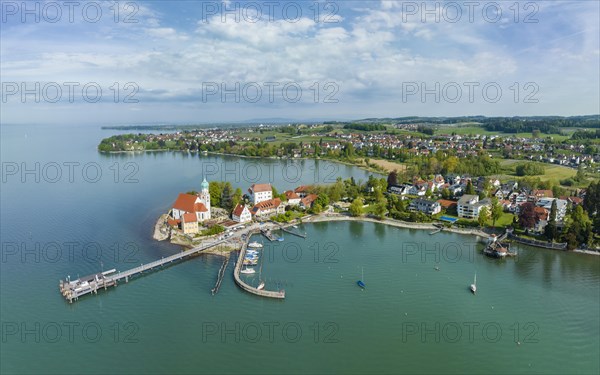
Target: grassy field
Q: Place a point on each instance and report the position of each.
(504, 220)
(475, 129)
(551, 171)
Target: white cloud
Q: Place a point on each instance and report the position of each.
(369, 54)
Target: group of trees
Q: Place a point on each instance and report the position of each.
(529, 169)
(365, 127)
(578, 225)
(223, 195)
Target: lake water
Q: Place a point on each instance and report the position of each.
(538, 313)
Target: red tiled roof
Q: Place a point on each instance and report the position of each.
(445, 203)
(266, 205)
(271, 203)
(309, 199)
(291, 195)
(189, 218)
(260, 187)
(301, 189)
(541, 213)
(200, 207)
(186, 202)
(238, 210)
(173, 222)
(543, 193)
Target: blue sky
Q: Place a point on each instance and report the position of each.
(363, 58)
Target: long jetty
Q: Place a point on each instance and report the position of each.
(238, 280)
(72, 290)
(286, 230)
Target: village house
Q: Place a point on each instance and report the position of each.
(399, 189)
(561, 206)
(293, 199)
(268, 208)
(426, 206)
(308, 201)
(189, 223)
(447, 204)
(302, 191)
(260, 193)
(469, 206)
(241, 214)
(541, 218)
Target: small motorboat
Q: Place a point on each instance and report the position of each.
(474, 285)
(248, 270)
(261, 286)
(255, 244)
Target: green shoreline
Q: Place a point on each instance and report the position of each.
(363, 167)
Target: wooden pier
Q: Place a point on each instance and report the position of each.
(286, 230)
(236, 275)
(72, 290)
(269, 235)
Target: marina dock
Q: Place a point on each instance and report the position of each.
(269, 235)
(286, 230)
(250, 289)
(72, 290)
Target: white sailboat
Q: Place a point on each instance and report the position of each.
(474, 285)
(261, 285)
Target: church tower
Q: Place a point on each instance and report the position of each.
(205, 196)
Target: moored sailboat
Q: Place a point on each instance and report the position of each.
(360, 282)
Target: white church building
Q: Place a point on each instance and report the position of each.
(196, 204)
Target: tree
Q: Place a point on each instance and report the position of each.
(316, 208)
(380, 209)
(236, 198)
(496, 210)
(579, 228)
(527, 215)
(591, 204)
(392, 178)
(529, 169)
(356, 208)
(216, 190)
(469, 189)
(580, 176)
(484, 215)
(450, 164)
(446, 193)
(322, 200)
(428, 192)
(226, 196)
